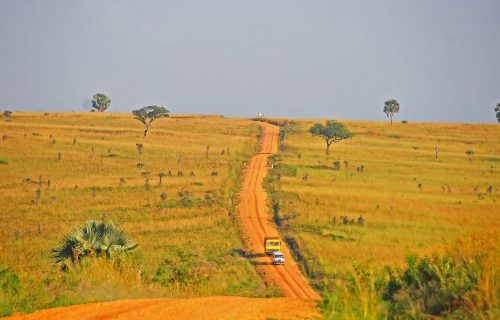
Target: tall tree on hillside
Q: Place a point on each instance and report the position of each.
(331, 132)
(100, 102)
(149, 114)
(391, 107)
(497, 110)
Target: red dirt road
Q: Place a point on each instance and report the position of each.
(299, 303)
(257, 223)
(172, 309)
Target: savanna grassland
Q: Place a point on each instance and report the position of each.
(381, 226)
(410, 203)
(58, 170)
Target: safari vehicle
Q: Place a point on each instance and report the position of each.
(272, 244)
(278, 257)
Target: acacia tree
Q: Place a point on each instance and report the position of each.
(149, 114)
(331, 132)
(391, 107)
(100, 102)
(497, 110)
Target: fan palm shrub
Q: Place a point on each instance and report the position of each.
(92, 238)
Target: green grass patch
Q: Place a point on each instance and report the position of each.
(288, 170)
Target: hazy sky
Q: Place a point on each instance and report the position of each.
(329, 59)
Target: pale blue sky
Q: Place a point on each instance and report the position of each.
(329, 59)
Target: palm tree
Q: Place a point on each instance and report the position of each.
(92, 238)
(391, 107)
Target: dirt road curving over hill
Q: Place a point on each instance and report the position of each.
(299, 303)
(257, 223)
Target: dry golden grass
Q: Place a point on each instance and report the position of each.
(411, 202)
(454, 197)
(84, 155)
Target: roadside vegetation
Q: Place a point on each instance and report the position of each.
(171, 194)
(385, 226)
(461, 283)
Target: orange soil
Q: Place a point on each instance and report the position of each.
(257, 223)
(194, 308)
(300, 298)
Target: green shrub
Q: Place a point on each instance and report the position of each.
(184, 269)
(355, 296)
(186, 201)
(9, 286)
(462, 284)
(17, 295)
(176, 268)
(438, 286)
(9, 281)
(425, 287)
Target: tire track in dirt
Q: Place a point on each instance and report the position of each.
(257, 223)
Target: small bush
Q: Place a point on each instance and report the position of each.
(336, 165)
(183, 269)
(139, 147)
(439, 286)
(186, 201)
(9, 281)
(7, 115)
(209, 198)
(9, 288)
